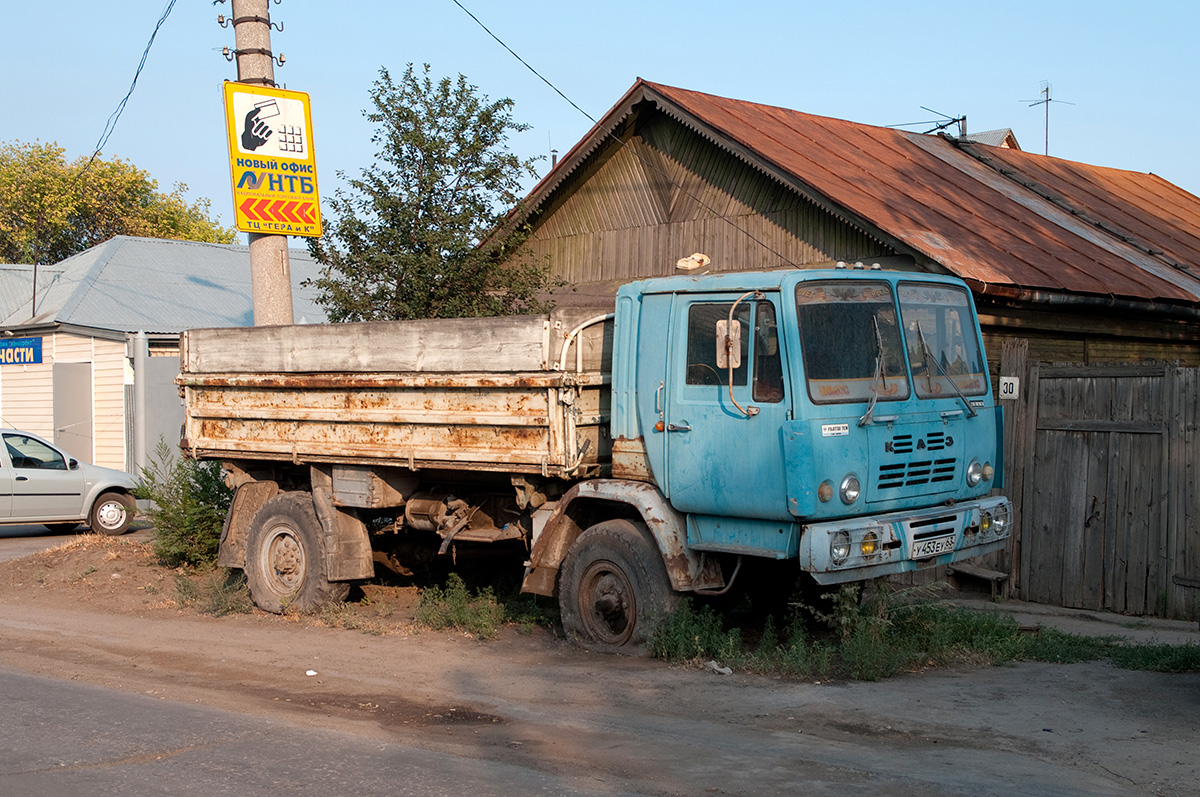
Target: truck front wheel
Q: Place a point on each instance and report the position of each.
(285, 567)
(613, 589)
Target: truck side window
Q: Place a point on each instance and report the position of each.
(768, 371)
(702, 344)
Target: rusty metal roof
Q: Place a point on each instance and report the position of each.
(1009, 222)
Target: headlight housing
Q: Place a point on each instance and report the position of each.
(974, 473)
(850, 489)
(839, 547)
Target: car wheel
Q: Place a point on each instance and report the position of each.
(614, 589)
(111, 514)
(62, 528)
(285, 564)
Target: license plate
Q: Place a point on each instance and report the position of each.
(923, 549)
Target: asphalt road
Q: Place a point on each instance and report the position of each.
(60, 738)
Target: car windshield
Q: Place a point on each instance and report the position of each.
(939, 333)
(851, 341)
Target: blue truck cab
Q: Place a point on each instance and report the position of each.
(851, 425)
(842, 418)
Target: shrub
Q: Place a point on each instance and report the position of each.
(189, 500)
(455, 607)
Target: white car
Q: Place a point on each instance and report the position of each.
(41, 484)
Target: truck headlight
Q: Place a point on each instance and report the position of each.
(839, 547)
(974, 473)
(1000, 520)
(850, 489)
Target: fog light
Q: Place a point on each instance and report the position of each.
(974, 473)
(839, 547)
(985, 522)
(850, 489)
(825, 491)
(869, 545)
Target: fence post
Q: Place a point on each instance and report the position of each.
(1014, 354)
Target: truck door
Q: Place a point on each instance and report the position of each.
(724, 450)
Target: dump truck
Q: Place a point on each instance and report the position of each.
(840, 418)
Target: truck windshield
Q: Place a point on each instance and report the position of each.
(939, 333)
(851, 342)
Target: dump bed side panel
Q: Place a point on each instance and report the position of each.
(471, 394)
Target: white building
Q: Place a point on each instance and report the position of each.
(72, 371)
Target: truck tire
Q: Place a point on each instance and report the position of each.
(613, 589)
(285, 566)
(111, 514)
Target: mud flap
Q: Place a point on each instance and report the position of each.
(248, 499)
(347, 546)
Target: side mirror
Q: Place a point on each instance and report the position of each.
(73, 463)
(729, 344)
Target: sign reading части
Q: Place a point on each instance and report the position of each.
(20, 351)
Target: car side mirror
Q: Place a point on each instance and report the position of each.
(73, 463)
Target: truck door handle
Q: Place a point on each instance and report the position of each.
(679, 427)
(22, 478)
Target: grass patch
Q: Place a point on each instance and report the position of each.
(453, 606)
(218, 592)
(873, 634)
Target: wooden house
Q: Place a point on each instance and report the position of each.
(1086, 278)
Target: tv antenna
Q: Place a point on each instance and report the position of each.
(939, 124)
(1046, 100)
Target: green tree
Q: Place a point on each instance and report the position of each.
(423, 232)
(51, 209)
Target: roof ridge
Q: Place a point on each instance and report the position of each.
(89, 278)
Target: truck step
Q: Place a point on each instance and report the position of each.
(995, 578)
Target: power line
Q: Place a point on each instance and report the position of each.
(621, 143)
(111, 125)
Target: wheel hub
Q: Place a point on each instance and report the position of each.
(111, 514)
(608, 605)
(286, 561)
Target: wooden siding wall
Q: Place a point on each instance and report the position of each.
(1102, 467)
(668, 193)
(27, 393)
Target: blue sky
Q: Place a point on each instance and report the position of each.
(1129, 69)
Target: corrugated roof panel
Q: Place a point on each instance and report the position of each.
(995, 216)
(130, 284)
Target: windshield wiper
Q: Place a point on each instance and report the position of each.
(929, 356)
(868, 417)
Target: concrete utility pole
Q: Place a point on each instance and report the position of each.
(270, 271)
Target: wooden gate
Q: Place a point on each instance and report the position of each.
(1102, 465)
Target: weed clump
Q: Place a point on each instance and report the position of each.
(219, 592)
(453, 606)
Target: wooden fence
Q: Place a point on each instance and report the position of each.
(1102, 466)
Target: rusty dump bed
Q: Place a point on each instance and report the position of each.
(479, 394)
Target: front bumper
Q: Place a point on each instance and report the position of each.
(855, 549)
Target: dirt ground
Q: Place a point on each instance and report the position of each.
(100, 611)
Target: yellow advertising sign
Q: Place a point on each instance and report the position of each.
(271, 160)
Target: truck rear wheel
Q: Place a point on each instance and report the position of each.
(614, 590)
(285, 566)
